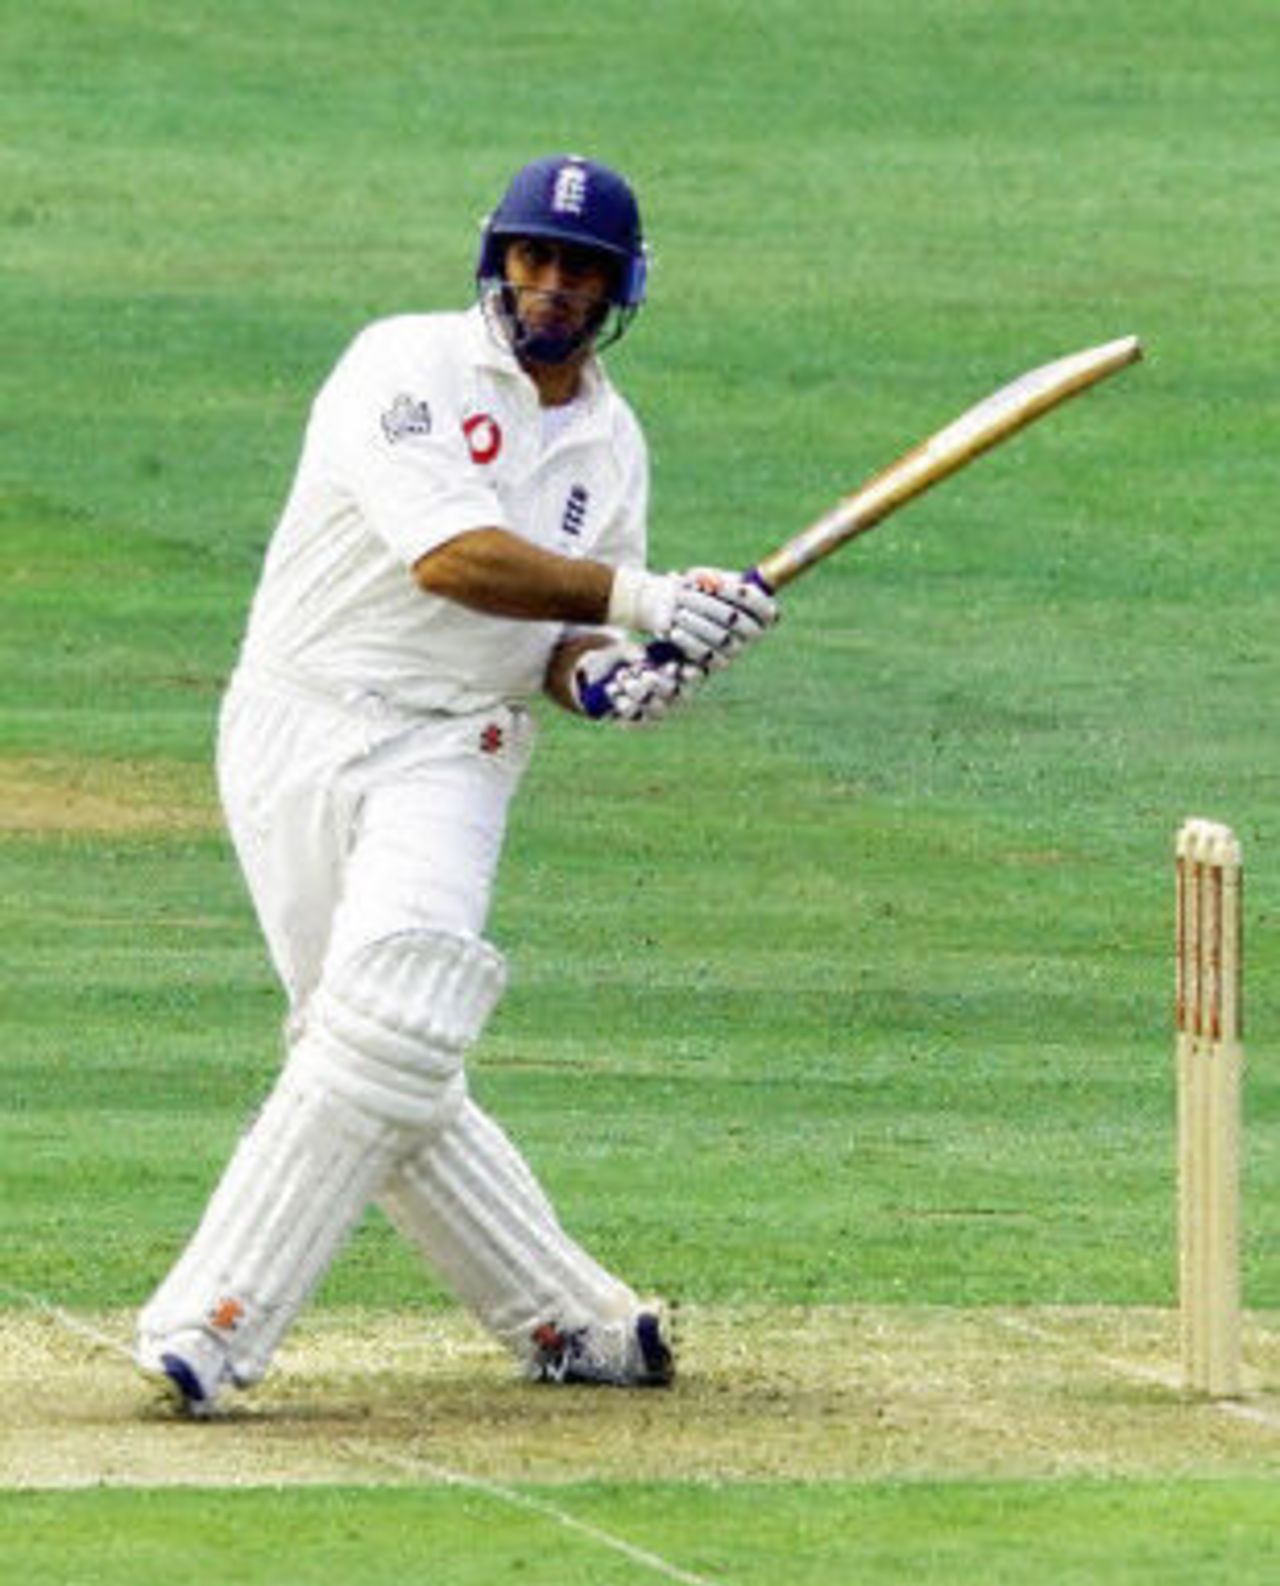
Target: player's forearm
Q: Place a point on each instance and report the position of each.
(494, 571)
(707, 614)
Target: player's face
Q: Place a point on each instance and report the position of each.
(561, 288)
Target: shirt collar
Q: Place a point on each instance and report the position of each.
(491, 353)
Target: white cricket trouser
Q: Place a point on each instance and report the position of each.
(369, 844)
(351, 824)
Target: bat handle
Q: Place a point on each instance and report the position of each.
(753, 575)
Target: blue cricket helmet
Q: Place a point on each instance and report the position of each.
(573, 200)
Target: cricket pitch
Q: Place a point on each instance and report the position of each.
(827, 1393)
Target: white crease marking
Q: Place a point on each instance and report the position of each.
(411, 1464)
(1239, 1409)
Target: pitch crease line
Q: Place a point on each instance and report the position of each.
(1241, 1411)
(412, 1464)
(68, 1321)
(451, 1478)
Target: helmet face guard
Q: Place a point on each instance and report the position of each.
(565, 199)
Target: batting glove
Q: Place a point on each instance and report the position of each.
(709, 614)
(631, 685)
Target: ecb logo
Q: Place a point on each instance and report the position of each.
(570, 193)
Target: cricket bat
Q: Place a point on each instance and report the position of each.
(977, 430)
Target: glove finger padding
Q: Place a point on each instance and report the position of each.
(631, 685)
(642, 695)
(740, 590)
(716, 614)
(708, 613)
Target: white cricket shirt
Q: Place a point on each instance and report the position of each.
(426, 428)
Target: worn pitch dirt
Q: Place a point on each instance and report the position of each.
(776, 1393)
(62, 795)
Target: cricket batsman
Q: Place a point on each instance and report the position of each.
(466, 530)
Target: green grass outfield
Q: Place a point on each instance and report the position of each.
(848, 995)
(1083, 1534)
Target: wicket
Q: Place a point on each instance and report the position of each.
(1209, 1060)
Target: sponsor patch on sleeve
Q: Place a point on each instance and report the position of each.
(484, 436)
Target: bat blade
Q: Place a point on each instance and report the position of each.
(977, 430)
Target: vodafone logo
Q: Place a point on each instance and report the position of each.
(484, 437)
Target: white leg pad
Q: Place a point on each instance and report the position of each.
(298, 1183)
(377, 1069)
(469, 1202)
(390, 1027)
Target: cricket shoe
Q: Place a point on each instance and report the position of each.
(631, 1354)
(193, 1367)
